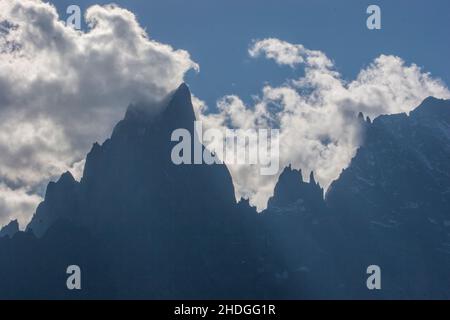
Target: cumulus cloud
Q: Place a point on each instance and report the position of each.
(61, 89)
(317, 113)
(285, 53)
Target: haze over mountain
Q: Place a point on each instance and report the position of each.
(141, 227)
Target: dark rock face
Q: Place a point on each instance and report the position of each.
(293, 196)
(140, 226)
(300, 234)
(159, 228)
(393, 200)
(60, 203)
(10, 229)
(131, 176)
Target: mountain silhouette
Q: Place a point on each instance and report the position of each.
(140, 226)
(393, 200)
(10, 229)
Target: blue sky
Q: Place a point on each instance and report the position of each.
(217, 35)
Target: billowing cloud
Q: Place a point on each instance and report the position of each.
(285, 53)
(61, 89)
(317, 113)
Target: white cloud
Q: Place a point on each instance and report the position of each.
(62, 89)
(285, 53)
(16, 204)
(317, 113)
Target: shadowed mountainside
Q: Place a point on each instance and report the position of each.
(141, 227)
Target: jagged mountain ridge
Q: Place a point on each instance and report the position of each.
(137, 153)
(175, 232)
(393, 199)
(156, 224)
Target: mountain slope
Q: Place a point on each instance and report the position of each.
(159, 227)
(393, 200)
(141, 227)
